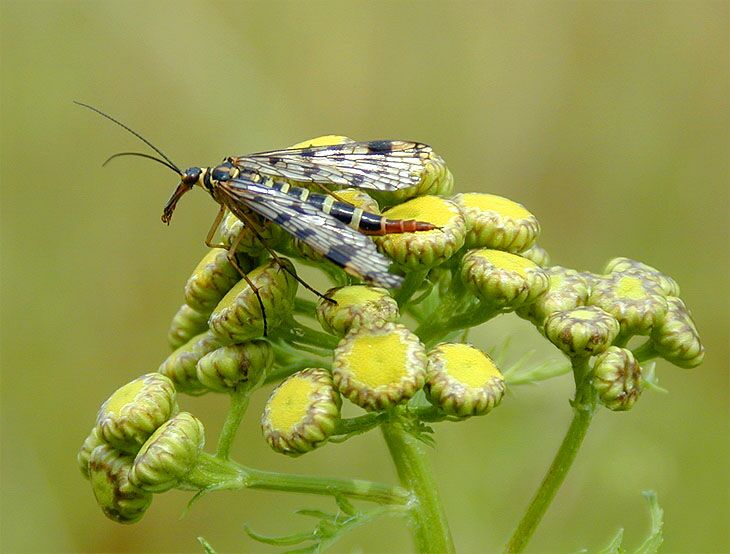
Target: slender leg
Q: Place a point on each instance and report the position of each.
(327, 190)
(254, 228)
(233, 260)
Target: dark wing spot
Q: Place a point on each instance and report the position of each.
(380, 146)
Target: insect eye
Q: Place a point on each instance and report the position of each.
(220, 174)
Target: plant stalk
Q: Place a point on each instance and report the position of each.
(430, 528)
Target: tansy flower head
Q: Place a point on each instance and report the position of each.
(169, 454)
(117, 497)
(676, 337)
(211, 280)
(379, 367)
(634, 298)
(436, 180)
(249, 243)
(356, 305)
(462, 380)
(581, 332)
(130, 415)
(180, 366)
(496, 222)
(626, 265)
(568, 289)
(238, 316)
(186, 324)
(537, 254)
(501, 279)
(302, 412)
(617, 378)
(92, 441)
(229, 367)
(425, 249)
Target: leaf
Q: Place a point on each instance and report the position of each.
(655, 539)
(615, 546)
(207, 548)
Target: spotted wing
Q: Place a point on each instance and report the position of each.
(385, 165)
(337, 242)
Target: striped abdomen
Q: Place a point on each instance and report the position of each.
(365, 222)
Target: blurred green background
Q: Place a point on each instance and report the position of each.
(609, 121)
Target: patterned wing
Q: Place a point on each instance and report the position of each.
(381, 164)
(337, 242)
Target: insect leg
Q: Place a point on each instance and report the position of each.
(248, 222)
(327, 190)
(233, 260)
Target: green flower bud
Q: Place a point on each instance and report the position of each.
(436, 180)
(91, 442)
(442, 277)
(425, 249)
(503, 280)
(356, 305)
(496, 222)
(302, 412)
(109, 475)
(238, 317)
(568, 290)
(583, 331)
(250, 243)
(379, 367)
(633, 298)
(169, 454)
(617, 378)
(626, 265)
(676, 337)
(130, 415)
(228, 367)
(537, 254)
(212, 279)
(180, 366)
(462, 380)
(186, 324)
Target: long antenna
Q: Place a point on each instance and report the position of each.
(141, 155)
(135, 133)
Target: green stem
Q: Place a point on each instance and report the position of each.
(294, 332)
(213, 473)
(411, 284)
(430, 528)
(239, 403)
(584, 407)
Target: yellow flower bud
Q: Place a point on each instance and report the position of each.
(626, 265)
(302, 412)
(130, 415)
(568, 289)
(537, 254)
(496, 222)
(462, 380)
(211, 280)
(238, 317)
(356, 305)
(583, 331)
(180, 366)
(617, 378)
(379, 367)
(676, 337)
(503, 280)
(109, 475)
(436, 180)
(186, 324)
(425, 249)
(229, 367)
(82, 458)
(169, 454)
(635, 299)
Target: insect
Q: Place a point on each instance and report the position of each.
(246, 185)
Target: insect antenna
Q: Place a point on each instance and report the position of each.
(141, 155)
(135, 133)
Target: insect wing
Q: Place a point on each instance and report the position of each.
(385, 165)
(337, 242)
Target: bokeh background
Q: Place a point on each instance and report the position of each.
(608, 120)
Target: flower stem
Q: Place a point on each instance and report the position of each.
(213, 473)
(430, 528)
(584, 407)
(239, 403)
